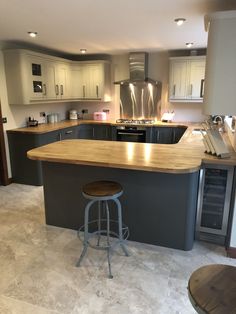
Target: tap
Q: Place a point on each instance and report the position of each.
(219, 120)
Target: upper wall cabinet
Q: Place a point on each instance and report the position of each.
(35, 78)
(186, 79)
(91, 81)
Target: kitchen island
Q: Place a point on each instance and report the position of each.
(160, 184)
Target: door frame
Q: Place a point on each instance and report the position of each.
(4, 180)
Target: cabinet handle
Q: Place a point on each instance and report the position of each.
(191, 89)
(174, 90)
(93, 132)
(97, 90)
(158, 135)
(57, 89)
(202, 88)
(61, 90)
(59, 136)
(173, 141)
(68, 132)
(44, 89)
(84, 91)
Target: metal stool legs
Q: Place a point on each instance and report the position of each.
(102, 204)
(86, 220)
(108, 239)
(120, 226)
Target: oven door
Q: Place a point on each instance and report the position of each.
(131, 135)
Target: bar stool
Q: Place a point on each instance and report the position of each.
(102, 192)
(212, 288)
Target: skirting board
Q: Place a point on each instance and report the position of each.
(231, 252)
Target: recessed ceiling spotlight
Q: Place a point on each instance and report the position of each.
(189, 45)
(83, 50)
(32, 34)
(179, 21)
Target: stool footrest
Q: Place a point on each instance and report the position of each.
(102, 235)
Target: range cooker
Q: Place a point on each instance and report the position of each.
(132, 130)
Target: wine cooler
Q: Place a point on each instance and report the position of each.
(215, 187)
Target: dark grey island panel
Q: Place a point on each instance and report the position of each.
(159, 208)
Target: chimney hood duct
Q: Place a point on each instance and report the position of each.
(138, 68)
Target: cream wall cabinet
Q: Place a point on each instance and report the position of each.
(35, 78)
(91, 81)
(186, 79)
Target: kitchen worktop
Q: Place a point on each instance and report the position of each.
(149, 174)
(48, 127)
(186, 156)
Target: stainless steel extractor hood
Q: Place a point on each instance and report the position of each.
(138, 68)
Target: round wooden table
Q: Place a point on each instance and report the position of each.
(212, 289)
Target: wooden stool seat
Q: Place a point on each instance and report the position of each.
(212, 289)
(102, 188)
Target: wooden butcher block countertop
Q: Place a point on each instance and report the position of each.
(49, 127)
(186, 156)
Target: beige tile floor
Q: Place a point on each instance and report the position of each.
(38, 273)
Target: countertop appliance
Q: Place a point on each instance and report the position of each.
(53, 117)
(100, 116)
(73, 115)
(32, 122)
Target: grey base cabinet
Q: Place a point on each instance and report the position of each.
(167, 135)
(94, 132)
(28, 171)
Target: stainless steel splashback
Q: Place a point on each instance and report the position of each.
(140, 100)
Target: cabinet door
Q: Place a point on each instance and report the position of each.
(69, 133)
(196, 78)
(178, 132)
(47, 138)
(76, 82)
(96, 81)
(86, 132)
(49, 69)
(91, 81)
(63, 81)
(87, 81)
(178, 77)
(163, 135)
(102, 132)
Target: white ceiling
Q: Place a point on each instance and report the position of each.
(107, 26)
